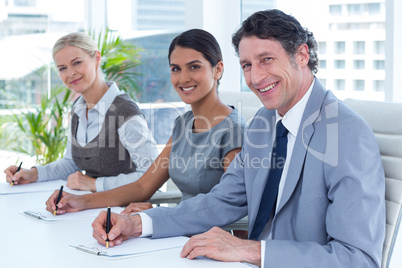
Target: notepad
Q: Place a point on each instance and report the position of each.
(45, 216)
(131, 247)
(47, 186)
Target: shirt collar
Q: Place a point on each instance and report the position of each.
(103, 104)
(292, 119)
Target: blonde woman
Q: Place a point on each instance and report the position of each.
(109, 138)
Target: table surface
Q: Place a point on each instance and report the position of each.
(27, 242)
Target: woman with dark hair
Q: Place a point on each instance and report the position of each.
(204, 140)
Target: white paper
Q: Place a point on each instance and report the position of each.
(45, 216)
(47, 186)
(131, 247)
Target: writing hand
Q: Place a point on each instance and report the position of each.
(68, 203)
(123, 227)
(23, 176)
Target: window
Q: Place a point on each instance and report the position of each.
(322, 64)
(378, 65)
(379, 85)
(359, 47)
(374, 8)
(335, 10)
(339, 84)
(322, 47)
(339, 47)
(358, 85)
(379, 47)
(358, 64)
(25, 3)
(355, 9)
(248, 7)
(339, 64)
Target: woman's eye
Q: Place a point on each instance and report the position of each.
(62, 69)
(194, 67)
(174, 69)
(77, 62)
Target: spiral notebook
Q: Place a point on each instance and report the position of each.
(131, 247)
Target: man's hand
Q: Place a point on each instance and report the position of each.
(123, 227)
(136, 207)
(79, 181)
(221, 245)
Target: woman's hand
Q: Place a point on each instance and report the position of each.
(79, 181)
(136, 207)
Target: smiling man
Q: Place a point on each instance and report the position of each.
(319, 203)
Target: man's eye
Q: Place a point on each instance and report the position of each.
(246, 66)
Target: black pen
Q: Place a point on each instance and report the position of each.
(107, 227)
(18, 169)
(58, 200)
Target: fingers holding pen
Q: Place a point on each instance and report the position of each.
(99, 229)
(122, 227)
(62, 205)
(17, 175)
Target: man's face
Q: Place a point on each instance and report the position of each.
(277, 79)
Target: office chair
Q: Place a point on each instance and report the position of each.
(385, 119)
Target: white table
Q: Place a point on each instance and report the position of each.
(27, 242)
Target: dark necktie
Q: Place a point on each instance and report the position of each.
(270, 193)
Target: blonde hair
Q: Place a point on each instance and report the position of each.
(77, 39)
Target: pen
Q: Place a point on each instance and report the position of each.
(18, 169)
(58, 199)
(107, 227)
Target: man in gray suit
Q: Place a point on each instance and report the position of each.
(329, 206)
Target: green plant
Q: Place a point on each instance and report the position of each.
(42, 126)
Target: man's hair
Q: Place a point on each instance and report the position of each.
(275, 25)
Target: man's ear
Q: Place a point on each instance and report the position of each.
(303, 55)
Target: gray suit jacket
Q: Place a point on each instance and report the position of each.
(332, 210)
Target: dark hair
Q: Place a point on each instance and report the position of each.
(274, 24)
(201, 41)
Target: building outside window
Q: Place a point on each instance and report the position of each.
(339, 64)
(323, 64)
(322, 47)
(358, 85)
(340, 47)
(359, 47)
(378, 65)
(358, 64)
(379, 85)
(335, 10)
(340, 84)
(379, 47)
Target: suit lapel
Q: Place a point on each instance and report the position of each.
(306, 130)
